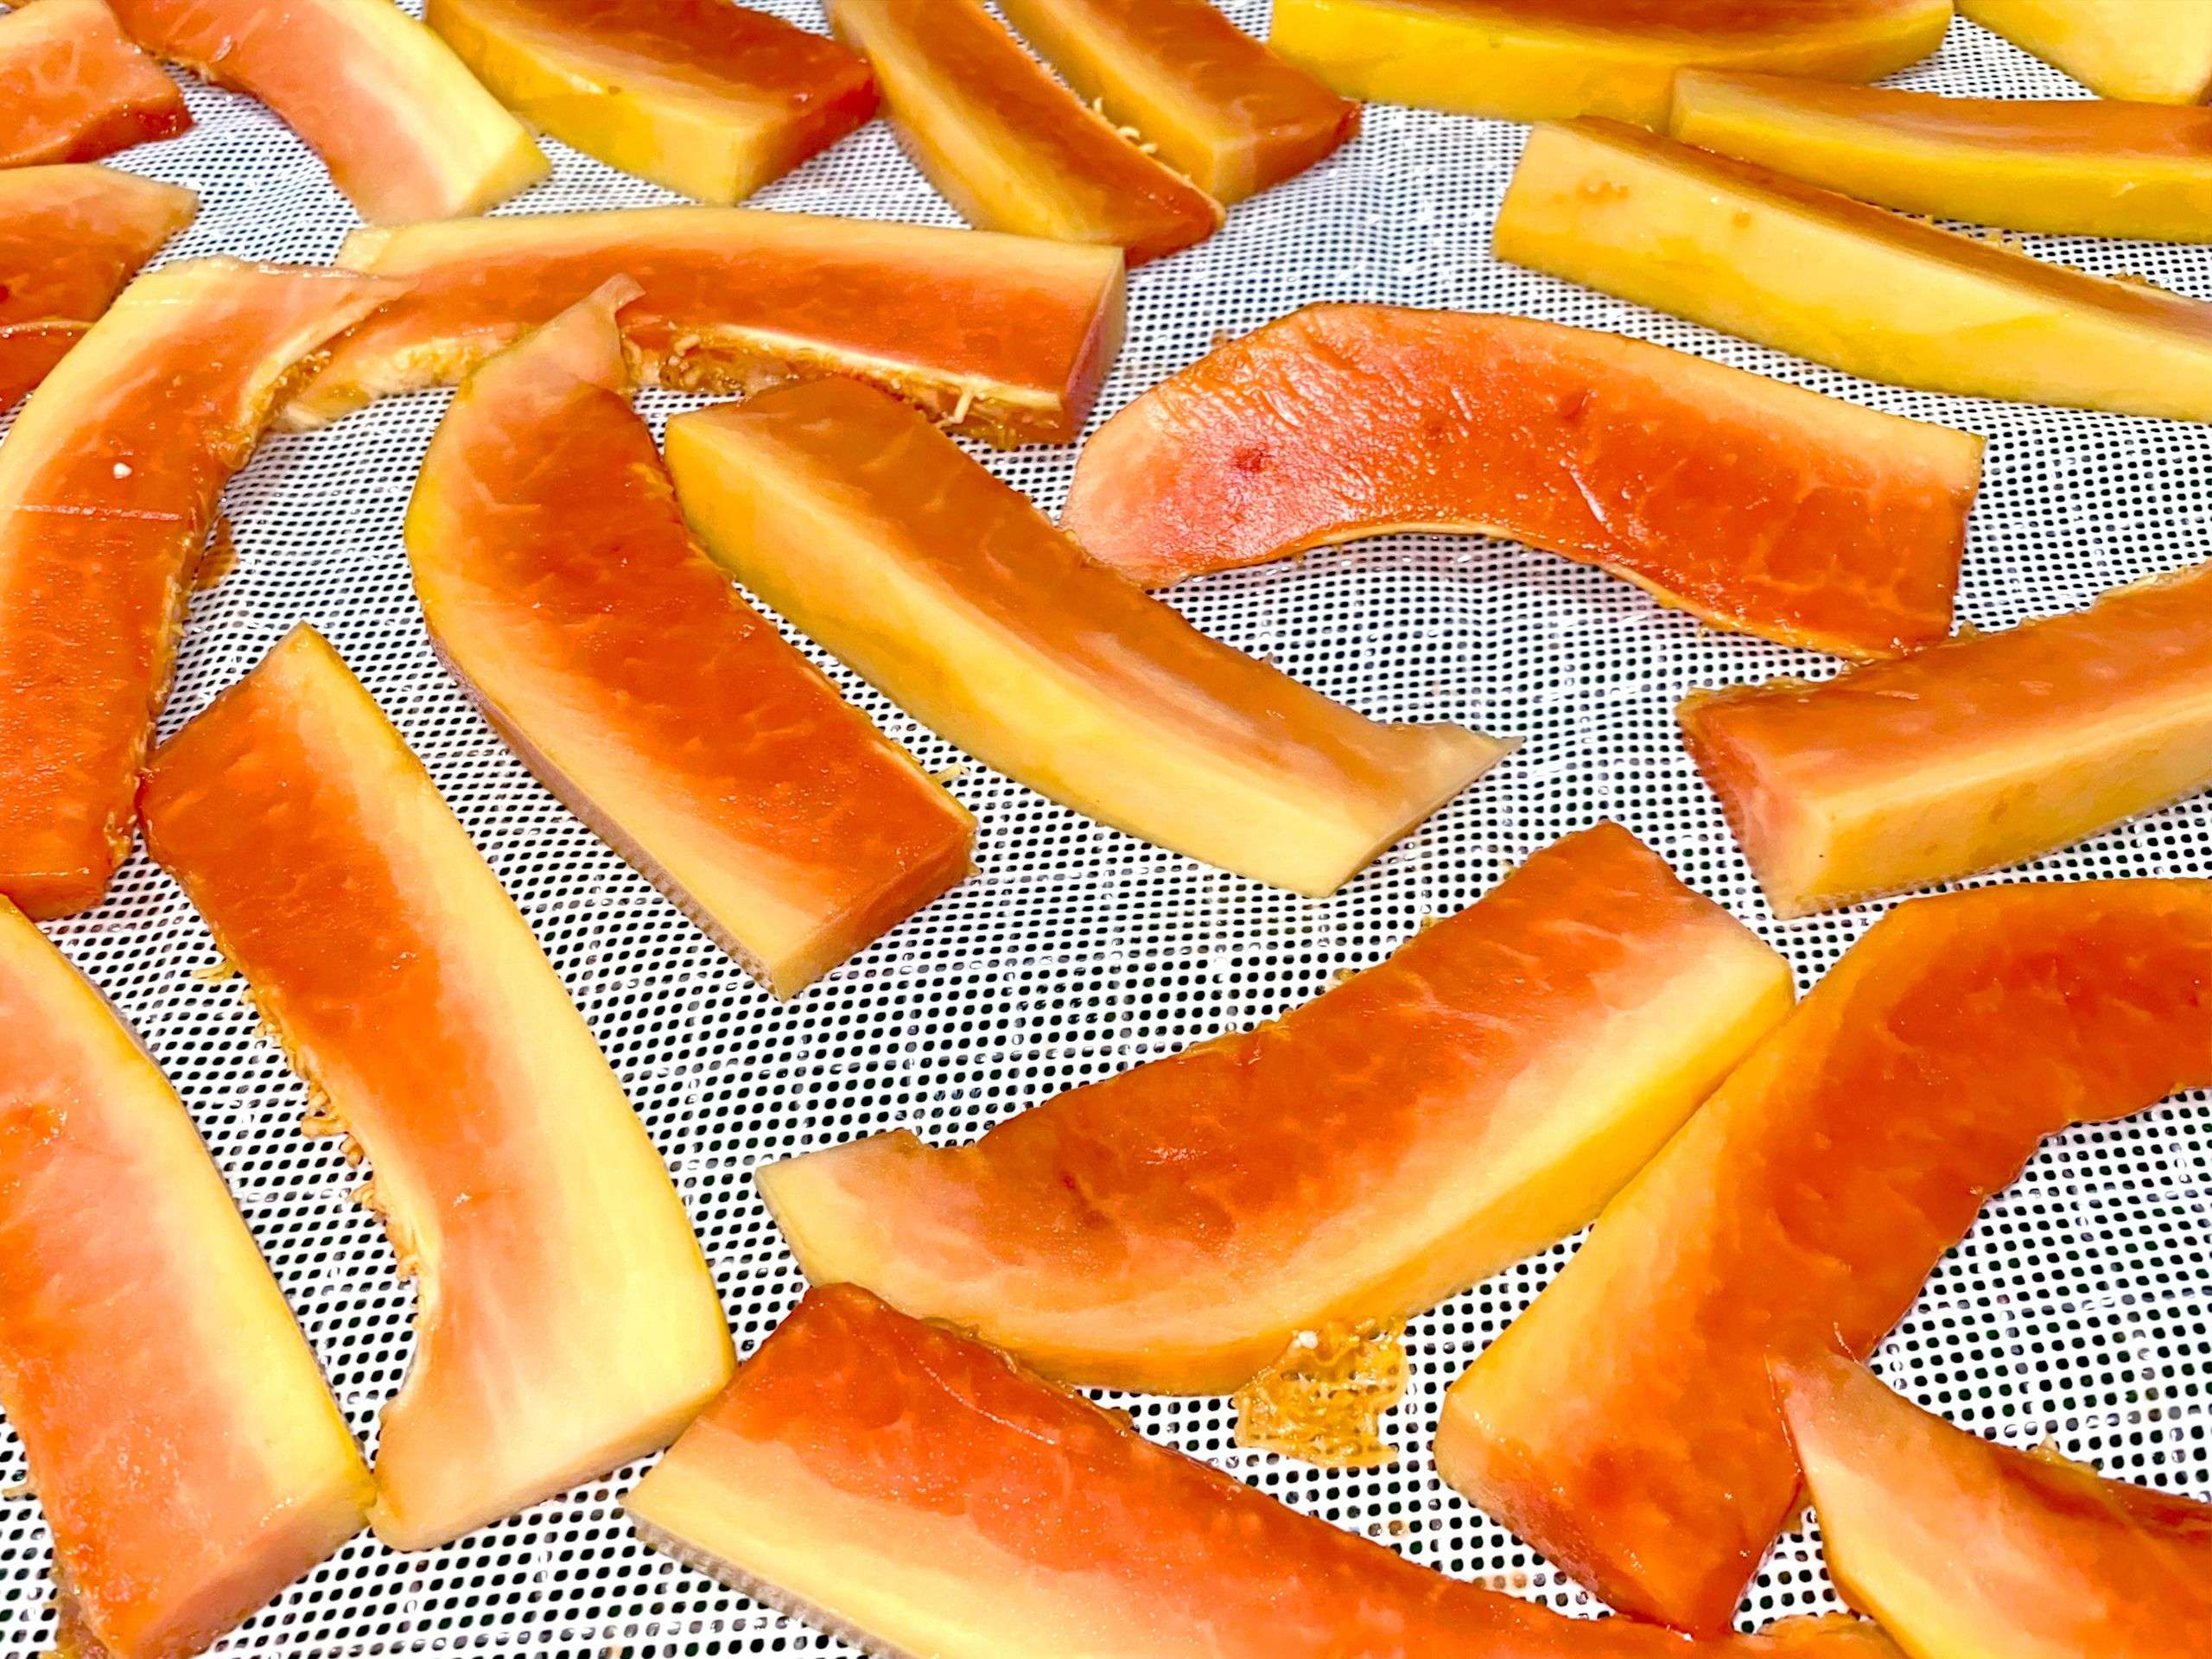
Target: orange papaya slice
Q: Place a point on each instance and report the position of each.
(709, 98)
(875, 534)
(1006, 143)
(902, 1485)
(1624, 1425)
(1005, 338)
(70, 237)
(406, 131)
(566, 1320)
(561, 585)
(1967, 1550)
(2068, 166)
(109, 482)
(1987, 750)
(2158, 53)
(1739, 247)
(1222, 109)
(1755, 505)
(72, 88)
(185, 1447)
(1423, 1125)
(1549, 59)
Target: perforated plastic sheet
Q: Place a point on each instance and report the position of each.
(2078, 1309)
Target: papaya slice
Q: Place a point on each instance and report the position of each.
(72, 88)
(1006, 143)
(1624, 1425)
(567, 1323)
(2158, 54)
(1004, 338)
(1222, 109)
(904, 1486)
(1968, 1550)
(1987, 750)
(709, 98)
(1755, 505)
(406, 131)
(1423, 1125)
(2072, 166)
(1739, 247)
(186, 1449)
(70, 237)
(109, 482)
(1549, 59)
(944, 587)
(562, 587)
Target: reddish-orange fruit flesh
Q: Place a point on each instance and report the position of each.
(561, 584)
(1757, 506)
(1968, 1550)
(181, 1442)
(1223, 110)
(1625, 1424)
(73, 89)
(1427, 1123)
(907, 1486)
(566, 1321)
(109, 481)
(70, 237)
(1006, 143)
(1006, 338)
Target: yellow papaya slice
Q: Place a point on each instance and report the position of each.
(2150, 51)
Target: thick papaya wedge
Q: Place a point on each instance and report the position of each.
(186, 1452)
(72, 88)
(1756, 506)
(1006, 143)
(710, 98)
(2150, 51)
(1004, 337)
(1625, 1424)
(874, 533)
(1968, 1550)
(566, 1321)
(70, 237)
(1738, 246)
(1423, 1125)
(109, 481)
(405, 131)
(561, 585)
(907, 1487)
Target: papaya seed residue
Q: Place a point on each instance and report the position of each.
(1323, 1401)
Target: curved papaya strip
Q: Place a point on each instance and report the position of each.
(70, 237)
(1755, 505)
(1006, 338)
(404, 130)
(1968, 1550)
(904, 1486)
(710, 98)
(1625, 1424)
(561, 585)
(2117, 48)
(74, 89)
(109, 481)
(183, 1445)
(565, 1322)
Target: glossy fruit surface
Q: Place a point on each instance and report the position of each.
(72, 88)
(2150, 51)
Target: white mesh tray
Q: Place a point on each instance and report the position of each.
(2078, 1308)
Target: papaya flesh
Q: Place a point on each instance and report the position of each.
(1003, 338)
(1739, 247)
(566, 1321)
(709, 98)
(1625, 1424)
(2154, 52)
(186, 1450)
(1967, 1550)
(873, 533)
(561, 585)
(1755, 505)
(72, 88)
(1006, 143)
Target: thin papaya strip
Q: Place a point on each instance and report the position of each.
(73, 88)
